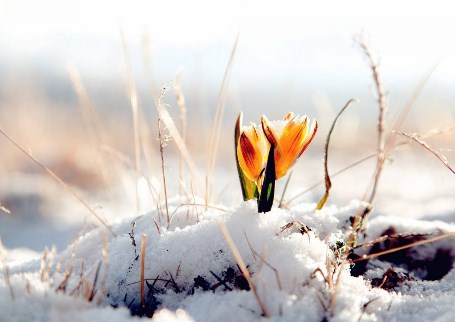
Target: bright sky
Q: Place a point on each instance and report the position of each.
(276, 36)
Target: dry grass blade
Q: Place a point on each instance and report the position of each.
(388, 237)
(195, 205)
(163, 141)
(241, 263)
(182, 109)
(144, 241)
(217, 123)
(333, 299)
(177, 138)
(328, 183)
(4, 209)
(393, 250)
(6, 272)
(135, 112)
(409, 104)
(415, 137)
(300, 194)
(60, 181)
(89, 115)
(281, 204)
(381, 120)
(429, 134)
(93, 289)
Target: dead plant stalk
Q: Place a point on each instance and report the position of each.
(243, 268)
(162, 145)
(60, 181)
(182, 109)
(144, 241)
(415, 137)
(217, 123)
(6, 272)
(382, 113)
(135, 112)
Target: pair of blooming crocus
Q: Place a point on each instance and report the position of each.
(265, 154)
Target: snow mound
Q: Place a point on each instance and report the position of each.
(192, 275)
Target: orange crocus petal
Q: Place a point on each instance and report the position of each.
(289, 146)
(249, 156)
(309, 137)
(269, 132)
(288, 116)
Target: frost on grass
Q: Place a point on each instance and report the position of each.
(191, 274)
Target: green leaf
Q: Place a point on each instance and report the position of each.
(249, 188)
(267, 194)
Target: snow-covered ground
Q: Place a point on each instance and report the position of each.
(192, 275)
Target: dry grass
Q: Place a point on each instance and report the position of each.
(90, 288)
(135, 112)
(217, 125)
(243, 268)
(6, 271)
(59, 180)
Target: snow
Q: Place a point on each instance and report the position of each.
(282, 264)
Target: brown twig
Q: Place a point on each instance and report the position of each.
(429, 134)
(95, 280)
(275, 271)
(388, 237)
(382, 113)
(249, 245)
(416, 138)
(393, 250)
(409, 104)
(365, 307)
(328, 183)
(360, 218)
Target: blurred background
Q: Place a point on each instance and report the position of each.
(64, 97)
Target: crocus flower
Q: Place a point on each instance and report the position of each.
(252, 151)
(290, 137)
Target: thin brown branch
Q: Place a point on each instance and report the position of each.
(328, 183)
(393, 250)
(59, 180)
(95, 281)
(382, 113)
(429, 134)
(409, 104)
(389, 237)
(416, 138)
